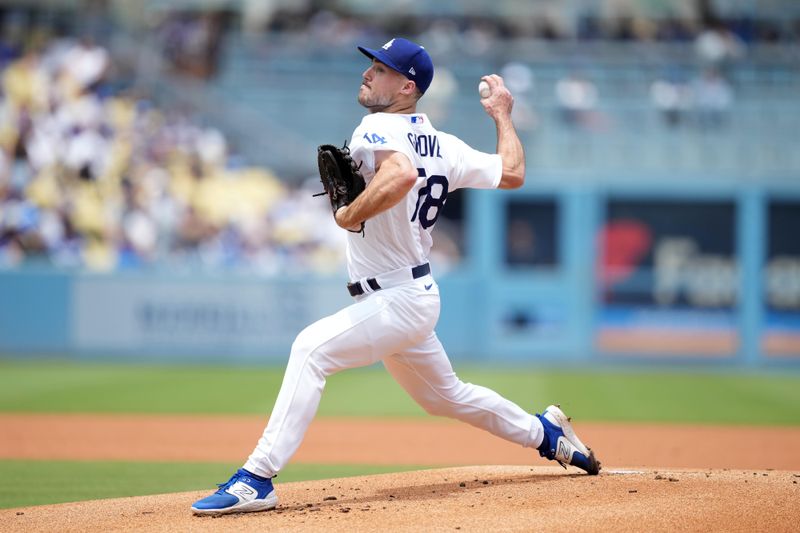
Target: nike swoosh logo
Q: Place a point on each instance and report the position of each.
(428, 287)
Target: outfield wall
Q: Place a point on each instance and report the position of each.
(561, 274)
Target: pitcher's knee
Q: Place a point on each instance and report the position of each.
(306, 350)
(303, 344)
(309, 350)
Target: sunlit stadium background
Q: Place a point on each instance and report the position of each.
(158, 159)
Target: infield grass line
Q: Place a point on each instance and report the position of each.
(624, 396)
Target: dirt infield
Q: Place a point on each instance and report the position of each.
(496, 498)
(427, 441)
(655, 477)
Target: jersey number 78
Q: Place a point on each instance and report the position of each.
(435, 194)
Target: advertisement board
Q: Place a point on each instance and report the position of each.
(196, 316)
(667, 276)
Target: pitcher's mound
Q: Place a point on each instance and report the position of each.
(480, 498)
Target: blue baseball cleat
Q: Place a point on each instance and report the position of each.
(561, 444)
(243, 493)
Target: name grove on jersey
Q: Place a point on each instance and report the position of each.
(425, 145)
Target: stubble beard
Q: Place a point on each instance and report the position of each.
(374, 103)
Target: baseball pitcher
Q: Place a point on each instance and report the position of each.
(388, 188)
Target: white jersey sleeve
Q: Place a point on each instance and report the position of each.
(376, 133)
(472, 168)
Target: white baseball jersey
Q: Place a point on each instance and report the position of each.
(401, 236)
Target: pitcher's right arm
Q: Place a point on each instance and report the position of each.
(498, 106)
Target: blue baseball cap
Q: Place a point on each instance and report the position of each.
(409, 59)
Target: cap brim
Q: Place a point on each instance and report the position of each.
(381, 56)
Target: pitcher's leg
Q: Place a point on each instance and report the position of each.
(295, 407)
(425, 372)
(334, 343)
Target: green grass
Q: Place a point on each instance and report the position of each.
(24, 483)
(638, 396)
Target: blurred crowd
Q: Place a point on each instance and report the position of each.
(100, 177)
(191, 41)
(666, 21)
(103, 179)
(692, 90)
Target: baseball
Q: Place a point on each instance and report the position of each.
(484, 90)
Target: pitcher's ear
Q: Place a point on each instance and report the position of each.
(409, 88)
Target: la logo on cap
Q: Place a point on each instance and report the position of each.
(388, 45)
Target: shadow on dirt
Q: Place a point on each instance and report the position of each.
(425, 492)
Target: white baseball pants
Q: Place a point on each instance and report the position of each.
(393, 325)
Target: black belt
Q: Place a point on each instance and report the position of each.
(356, 289)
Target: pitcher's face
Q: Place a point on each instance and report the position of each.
(380, 85)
